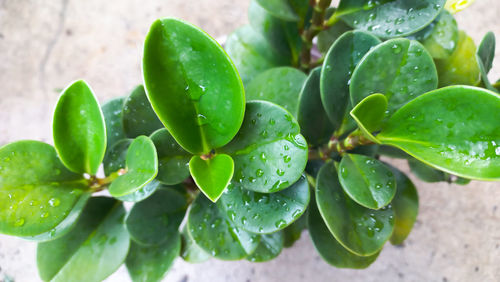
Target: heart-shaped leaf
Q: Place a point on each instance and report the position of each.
(405, 205)
(193, 86)
(92, 250)
(191, 252)
(367, 181)
(173, 161)
(340, 61)
(112, 112)
(252, 53)
(151, 263)
(79, 130)
(453, 129)
(485, 55)
(269, 153)
(214, 233)
(425, 172)
(360, 230)
(328, 36)
(40, 197)
(142, 167)
(313, 121)
(269, 247)
(138, 115)
(388, 19)
(281, 86)
(401, 69)
(212, 175)
(262, 212)
(370, 113)
(329, 248)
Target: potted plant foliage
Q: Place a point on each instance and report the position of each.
(230, 153)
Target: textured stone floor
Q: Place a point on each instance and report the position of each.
(45, 44)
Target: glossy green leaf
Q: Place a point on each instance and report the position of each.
(252, 53)
(173, 161)
(269, 247)
(340, 61)
(405, 205)
(328, 36)
(485, 56)
(191, 252)
(392, 152)
(314, 123)
(79, 130)
(151, 263)
(92, 250)
(138, 115)
(142, 167)
(280, 9)
(112, 112)
(425, 172)
(116, 157)
(212, 231)
(40, 197)
(269, 153)
(212, 175)
(453, 129)
(193, 86)
(157, 218)
(329, 248)
(462, 66)
(360, 230)
(142, 193)
(281, 86)
(262, 212)
(293, 232)
(367, 181)
(440, 38)
(401, 69)
(389, 18)
(370, 113)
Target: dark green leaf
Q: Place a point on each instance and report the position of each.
(485, 55)
(173, 161)
(392, 152)
(112, 112)
(92, 250)
(293, 232)
(269, 247)
(425, 172)
(193, 86)
(138, 115)
(328, 36)
(142, 167)
(191, 252)
(212, 175)
(142, 193)
(79, 130)
(214, 233)
(280, 9)
(40, 197)
(401, 69)
(262, 212)
(269, 153)
(370, 113)
(360, 230)
(116, 157)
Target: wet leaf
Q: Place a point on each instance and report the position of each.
(212, 175)
(112, 112)
(173, 161)
(191, 252)
(138, 115)
(269, 247)
(293, 232)
(328, 36)
(440, 38)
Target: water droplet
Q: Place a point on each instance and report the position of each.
(259, 172)
(280, 172)
(19, 222)
(44, 215)
(54, 202)
(280, 223)
(396, 49)
(287, 159)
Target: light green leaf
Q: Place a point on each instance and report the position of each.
(370, 113)
(212, 175)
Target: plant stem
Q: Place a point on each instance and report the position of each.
(353, 140)
(99, 184)
(317, 25)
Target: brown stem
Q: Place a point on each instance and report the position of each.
(317, 25)
(335, 145)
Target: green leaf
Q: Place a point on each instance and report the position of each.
(405, 205)
(329, 248)
(269, 247)
(328, 36)
(92, 250)
(370, 113)
(392, 152)
(151, 263)
(191, 252)
(116, 157)
(367, 181)
(212, 175)
(293, 232)
(142, 167)
(112, 112)
(252, 53)
(172, 159)
(389, 18)
(281, 9)
(485, 55)
(453, 129)
(281, 86)
(440, 38)
(138, 115)
(340, 61)
(425, 172)
(314, 123)
(157, 218)
(193, 86)
(265, 213)
(401, 69)
(269, 153)
(214, 233)
(142, 193)
(360, 230)
(462, 66)
(79, 130)
(40, 197)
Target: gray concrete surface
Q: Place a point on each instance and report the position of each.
(45, 44)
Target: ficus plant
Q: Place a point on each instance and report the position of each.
(231, 153)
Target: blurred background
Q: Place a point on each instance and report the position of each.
(46, 44)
